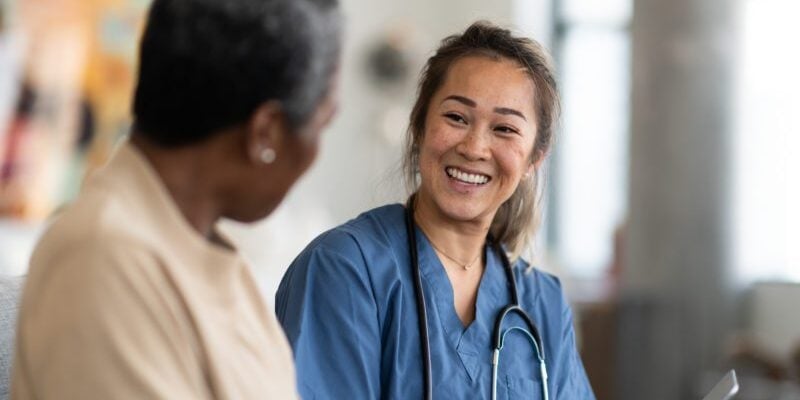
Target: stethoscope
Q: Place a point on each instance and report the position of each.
(499, 336)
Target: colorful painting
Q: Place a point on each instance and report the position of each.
(71, 68)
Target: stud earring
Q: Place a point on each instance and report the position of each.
(267, 155)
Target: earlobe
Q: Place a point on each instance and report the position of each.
(264, 133)
(529, 171)
(534, 165)
(268, 155)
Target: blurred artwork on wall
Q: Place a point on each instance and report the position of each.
(66, 79)
(391, 63)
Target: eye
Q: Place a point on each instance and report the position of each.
(455, 118)
(506, 129)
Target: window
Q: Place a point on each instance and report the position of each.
(767, 158)
(589, 166)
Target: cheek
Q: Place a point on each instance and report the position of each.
(428, 150)
(514, 161)
(427, 161)
(438, 140)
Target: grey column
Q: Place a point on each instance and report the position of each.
(675, 309)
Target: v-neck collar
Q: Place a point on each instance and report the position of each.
(469, 342)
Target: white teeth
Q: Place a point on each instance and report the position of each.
(475, 179)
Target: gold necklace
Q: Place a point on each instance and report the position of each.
(466, 266)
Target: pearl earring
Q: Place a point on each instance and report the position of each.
(267, 155)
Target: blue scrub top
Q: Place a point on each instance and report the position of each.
(348, 306)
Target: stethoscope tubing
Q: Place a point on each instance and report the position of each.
(498, 334)
(422, 312)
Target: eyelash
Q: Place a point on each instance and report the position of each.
(461, 120)
(506, 129)
(455, 118)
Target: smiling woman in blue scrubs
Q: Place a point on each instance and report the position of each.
(481, 127)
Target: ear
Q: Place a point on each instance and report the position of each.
(538, 158)
(530, 170)
(266, 129)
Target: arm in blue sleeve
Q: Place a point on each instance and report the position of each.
(571, 380)
(327, 308)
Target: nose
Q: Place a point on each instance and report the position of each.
(474, 146)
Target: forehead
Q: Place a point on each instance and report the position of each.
(490, 83)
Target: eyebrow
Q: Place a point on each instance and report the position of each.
(471, 103)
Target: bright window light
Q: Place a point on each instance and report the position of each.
(767, 159)
(592, 163)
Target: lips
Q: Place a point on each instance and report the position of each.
(471, 178)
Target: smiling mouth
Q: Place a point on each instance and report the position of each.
(466, 177)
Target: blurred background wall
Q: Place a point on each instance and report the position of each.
(672, 193)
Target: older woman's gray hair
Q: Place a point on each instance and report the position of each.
(205, 65)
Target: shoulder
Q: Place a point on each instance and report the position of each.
(91, 266)
(374, 230)
(97, 220)
(90, 289)
(85, 255)
(349, 255)
(378, 224)
(538, 285)
(92, 246)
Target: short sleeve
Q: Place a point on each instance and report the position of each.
(326, 306)
(571, 380)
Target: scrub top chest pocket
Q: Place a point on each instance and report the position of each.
(520, 388)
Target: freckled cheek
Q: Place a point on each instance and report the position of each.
(513, 164)
(428, 160)
(437, 142)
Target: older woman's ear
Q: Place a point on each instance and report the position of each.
(265, 132)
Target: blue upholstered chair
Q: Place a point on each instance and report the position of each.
(10, 288)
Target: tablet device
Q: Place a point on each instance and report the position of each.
(725, 388)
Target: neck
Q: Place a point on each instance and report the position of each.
(462, 240)
(188, 178)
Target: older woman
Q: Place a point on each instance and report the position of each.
(431, 299)
(132, 292)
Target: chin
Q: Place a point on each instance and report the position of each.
(252, 215)
(463, 210)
